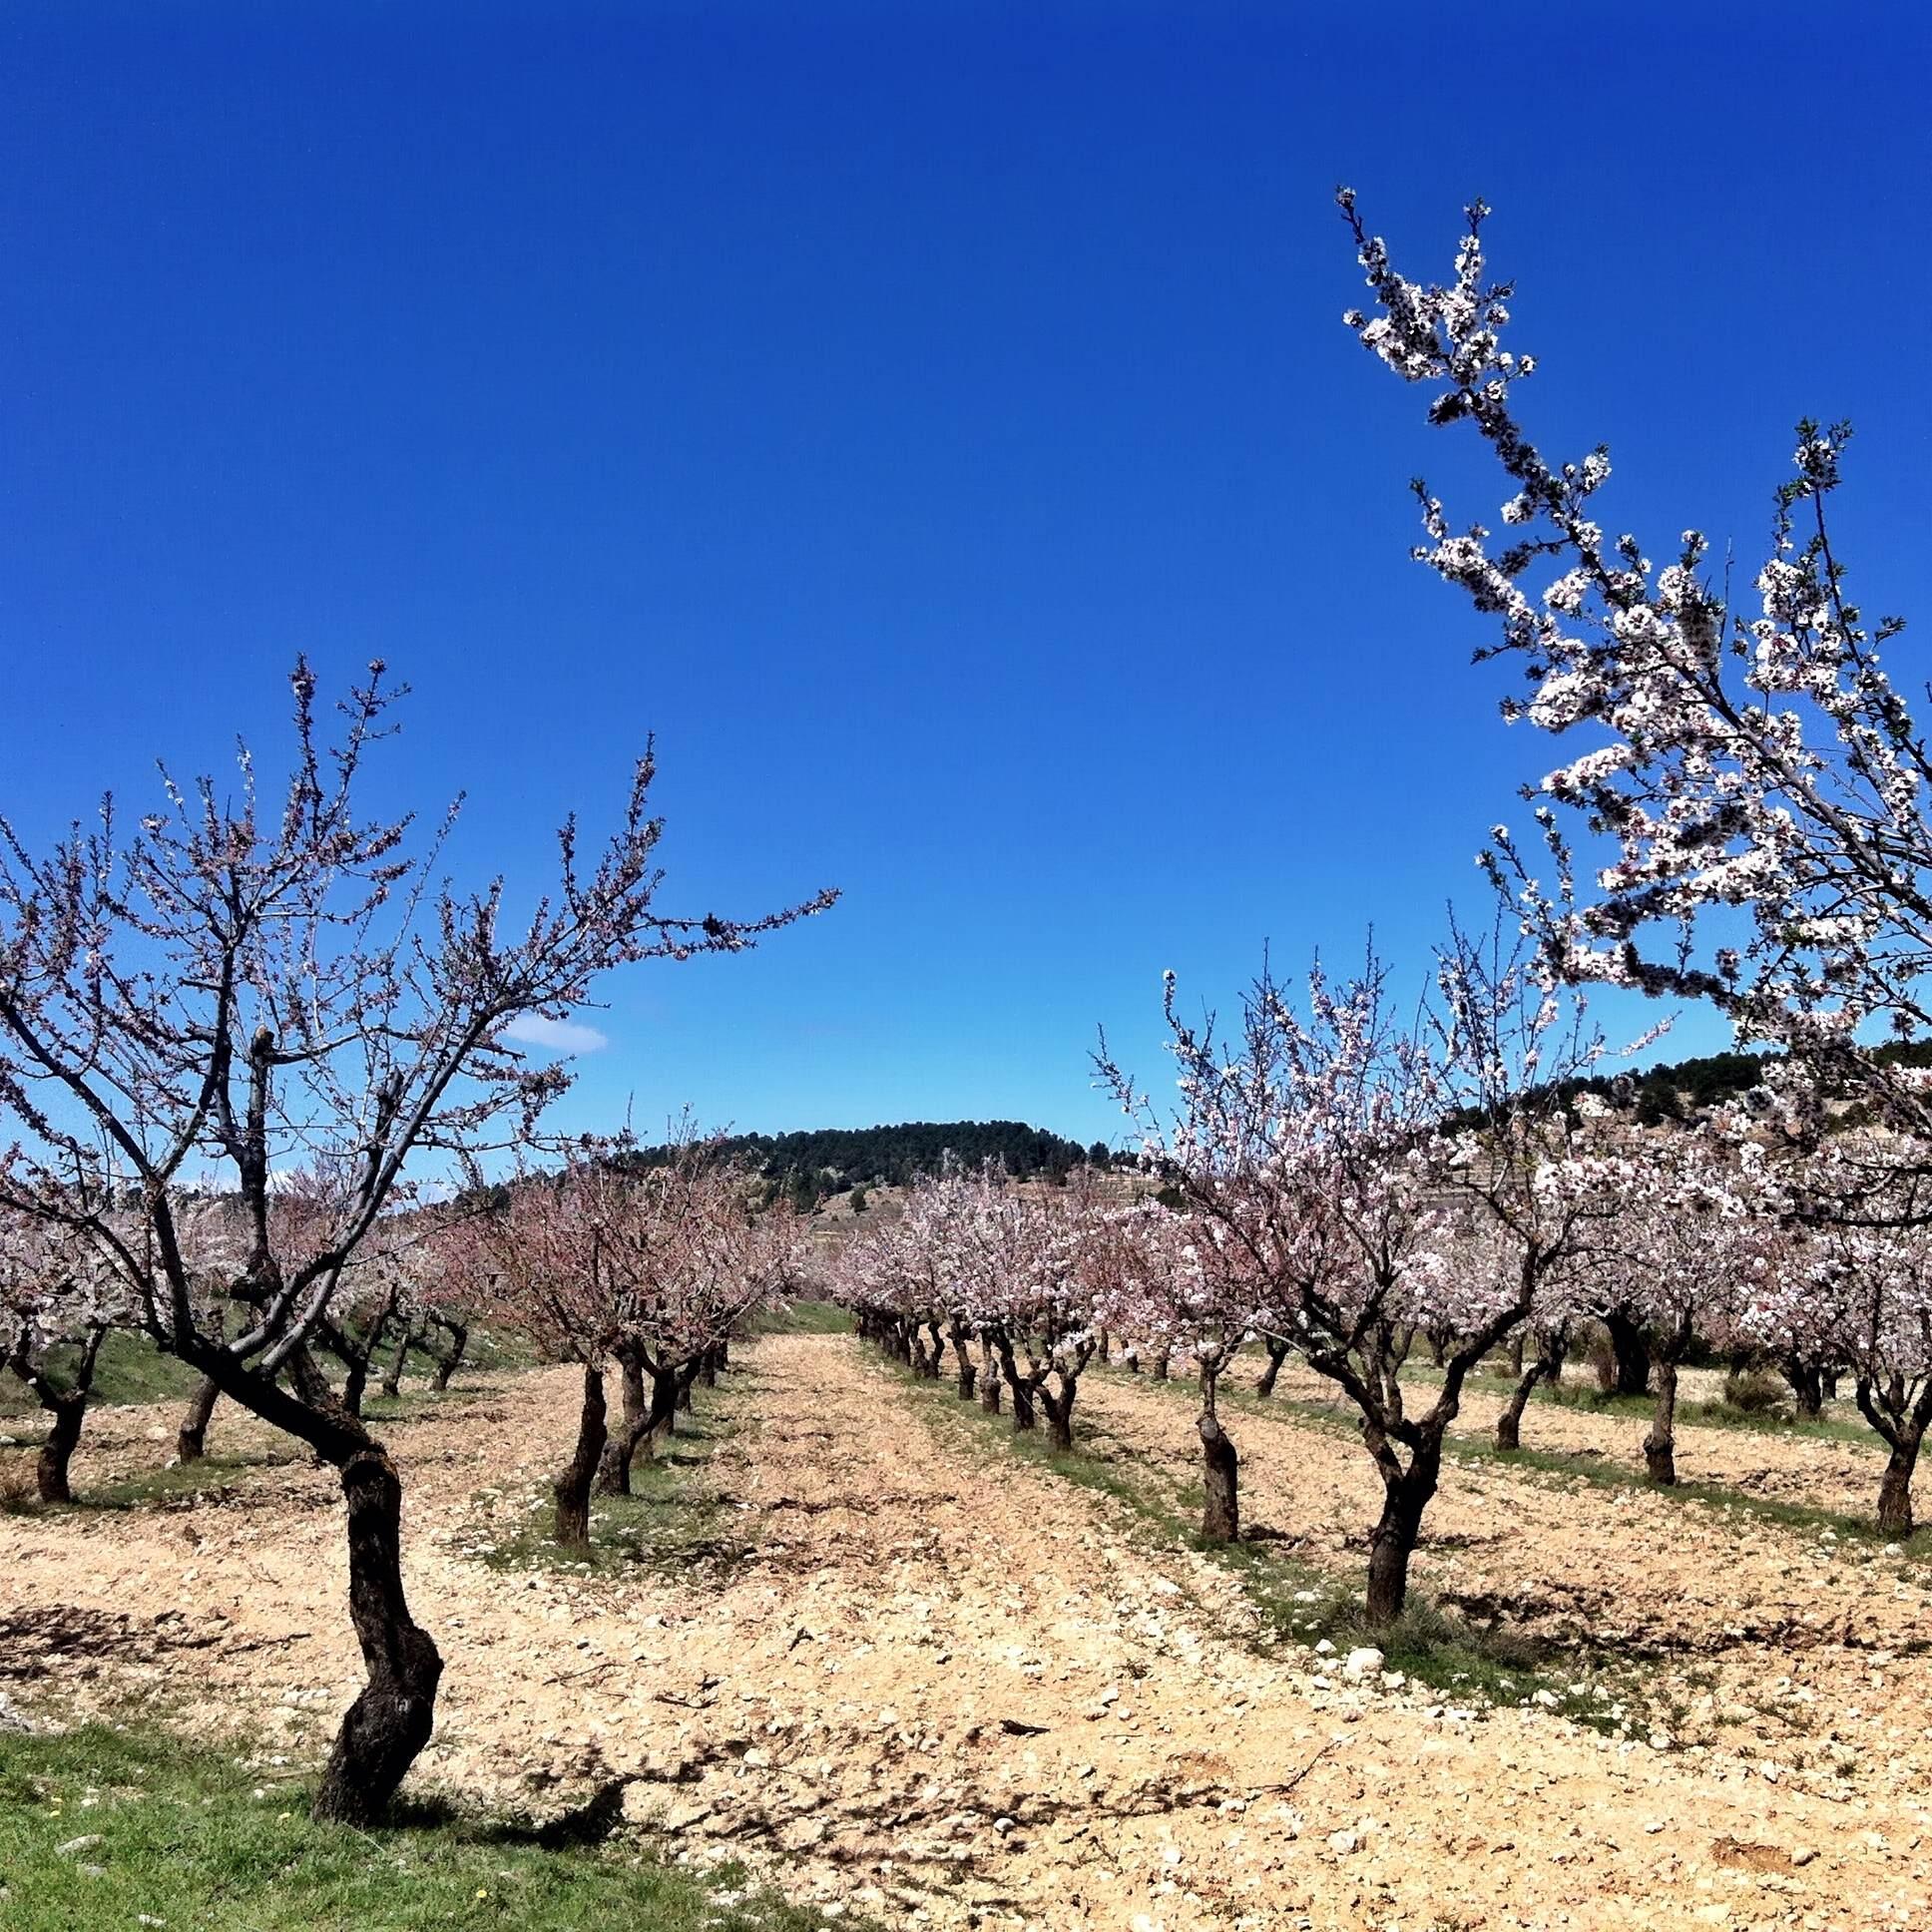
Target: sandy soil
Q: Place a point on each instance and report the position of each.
(950, 1689)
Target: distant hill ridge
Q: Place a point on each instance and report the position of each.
(838, 1157)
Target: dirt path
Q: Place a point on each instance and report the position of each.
(952, 1689)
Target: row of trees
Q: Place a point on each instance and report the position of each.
(1362, 1194)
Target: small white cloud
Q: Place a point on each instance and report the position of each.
(555, 1036)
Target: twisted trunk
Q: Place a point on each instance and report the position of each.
(451, 1360)
(1509, 1425)
(191, 1442)
(1277, 1353)
(1220, 1511)
(1398, 1530)
(573, 1486)
(392, 1376)
(613, 1466)
(391, 1721)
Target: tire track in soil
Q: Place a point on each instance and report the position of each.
(949, 1688)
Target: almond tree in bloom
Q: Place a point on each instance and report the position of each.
(58, 1305)
(1687, 1256)
(249, 982)
(1333, 1161)
(1851, 1283)
(1759, 782)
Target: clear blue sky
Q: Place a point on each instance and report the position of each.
(934, 421)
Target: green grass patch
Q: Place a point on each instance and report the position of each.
(189, 1837)
(130, 1369)
(803, 1318)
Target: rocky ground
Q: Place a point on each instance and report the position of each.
(920, 1679)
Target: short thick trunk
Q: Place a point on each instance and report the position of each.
(1895, 1491)
(1660, 1446)
(1159, 1370)
(390, 1722)
(1807, 1389)
(1023, 1415)
(1060, 1418)
(1629, 1357)
(989, 1391)
(573, 1486)
(621, 1445)
(1393, 1543)
(392, 1376)
(451, 1360)
(191, 1442)
(1276, 1355)
(968, 1376)
(64, 1413)
(1509, 1425)
(1220, 1511)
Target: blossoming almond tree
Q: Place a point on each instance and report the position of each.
(1331, 1162)
(1758, 778)
(246, 982)
(57, 1303)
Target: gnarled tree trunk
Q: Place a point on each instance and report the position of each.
(1630, 1355)
(573, 1486)
(1509, 1425)
(191, 1441)
(621, 1444)
(1277, 1353)
(451, 1360)
(390, 1722)
(1220, 1511)
(1895, 1489)
(392, 1375)
(1396, 1533)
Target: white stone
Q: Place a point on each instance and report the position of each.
(1362, 1662)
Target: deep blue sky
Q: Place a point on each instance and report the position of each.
(933, 422)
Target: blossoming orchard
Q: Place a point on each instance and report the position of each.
(1437, 1465)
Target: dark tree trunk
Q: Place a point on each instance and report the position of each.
(1159, 1370)
(1548, 1363)
(708, 1368)
(1134, 1361)
(354, 1383)
(1516, 1353)
(1895, 1488)
(191, 1443)
(1807, 1387)
(1277, 1353)
(1660, 1446)
(1023, 1415)
(451, 1358)
(1220, 1512)
(1828, 1383)
(1630, 1355)
(1396, 1535)
(684, 1390)
(613, 1466)
(390, 1722)
(968, 1375)
(392, 1377)
(573, 1487)
(1059, 1416)
(989, 1390)
(64, 1413)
